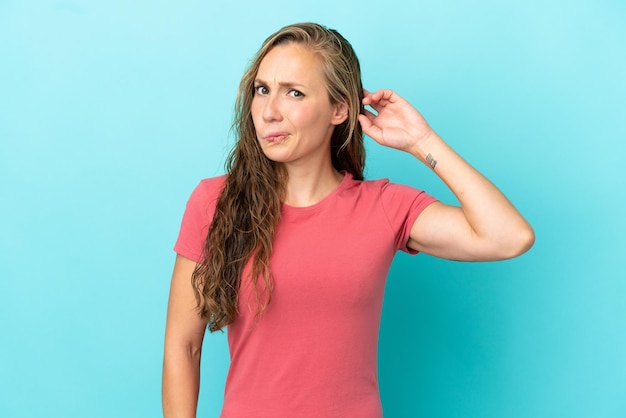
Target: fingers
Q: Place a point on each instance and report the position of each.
(369, 115)
(367, 118)
(369, 129)
(374, 100)
(380, 97)
(376, 106)
(365, 122)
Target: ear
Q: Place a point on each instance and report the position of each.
(341, 113)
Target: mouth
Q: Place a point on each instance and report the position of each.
(276, 136)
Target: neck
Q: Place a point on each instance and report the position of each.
(306, 187)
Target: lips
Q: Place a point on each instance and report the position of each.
(276, 136)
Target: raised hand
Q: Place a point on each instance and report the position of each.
(396, 123)
(486, 226)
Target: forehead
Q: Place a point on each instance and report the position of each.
(290, 61)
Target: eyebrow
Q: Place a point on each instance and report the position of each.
(281, 84)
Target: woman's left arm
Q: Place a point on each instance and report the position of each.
(485, 227)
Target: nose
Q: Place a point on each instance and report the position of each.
(271, 111)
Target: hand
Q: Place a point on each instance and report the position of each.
(397, 124)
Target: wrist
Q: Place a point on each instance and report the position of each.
(425, 148)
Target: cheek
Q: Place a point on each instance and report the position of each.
(303, 117)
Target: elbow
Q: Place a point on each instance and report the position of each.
(183, 349)
(521, 241)
(508, 244)
(194, 351)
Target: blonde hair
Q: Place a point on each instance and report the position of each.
(249, 206)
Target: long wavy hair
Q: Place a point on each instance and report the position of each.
(249, 206)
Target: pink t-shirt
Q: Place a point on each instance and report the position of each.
(313, 352)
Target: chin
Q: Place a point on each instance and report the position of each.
(277, 156)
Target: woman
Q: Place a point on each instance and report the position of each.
(291, 248)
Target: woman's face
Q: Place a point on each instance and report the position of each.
(291, 110)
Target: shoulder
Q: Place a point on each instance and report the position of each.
(383, 186)
(394, 197)
(198, 217)
(212, 185)
(208, 190)
(204, 196)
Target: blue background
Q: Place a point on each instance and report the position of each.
(111, 112)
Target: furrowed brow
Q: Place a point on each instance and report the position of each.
(286, 84)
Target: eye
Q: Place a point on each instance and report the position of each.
(262, 90)
(295, 93)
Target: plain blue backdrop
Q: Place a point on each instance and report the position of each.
(111, 112)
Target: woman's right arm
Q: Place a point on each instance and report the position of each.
(184, 333)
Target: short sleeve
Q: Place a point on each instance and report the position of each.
(197, 218)
(402, 205)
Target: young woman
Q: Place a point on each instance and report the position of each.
(291, 248)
